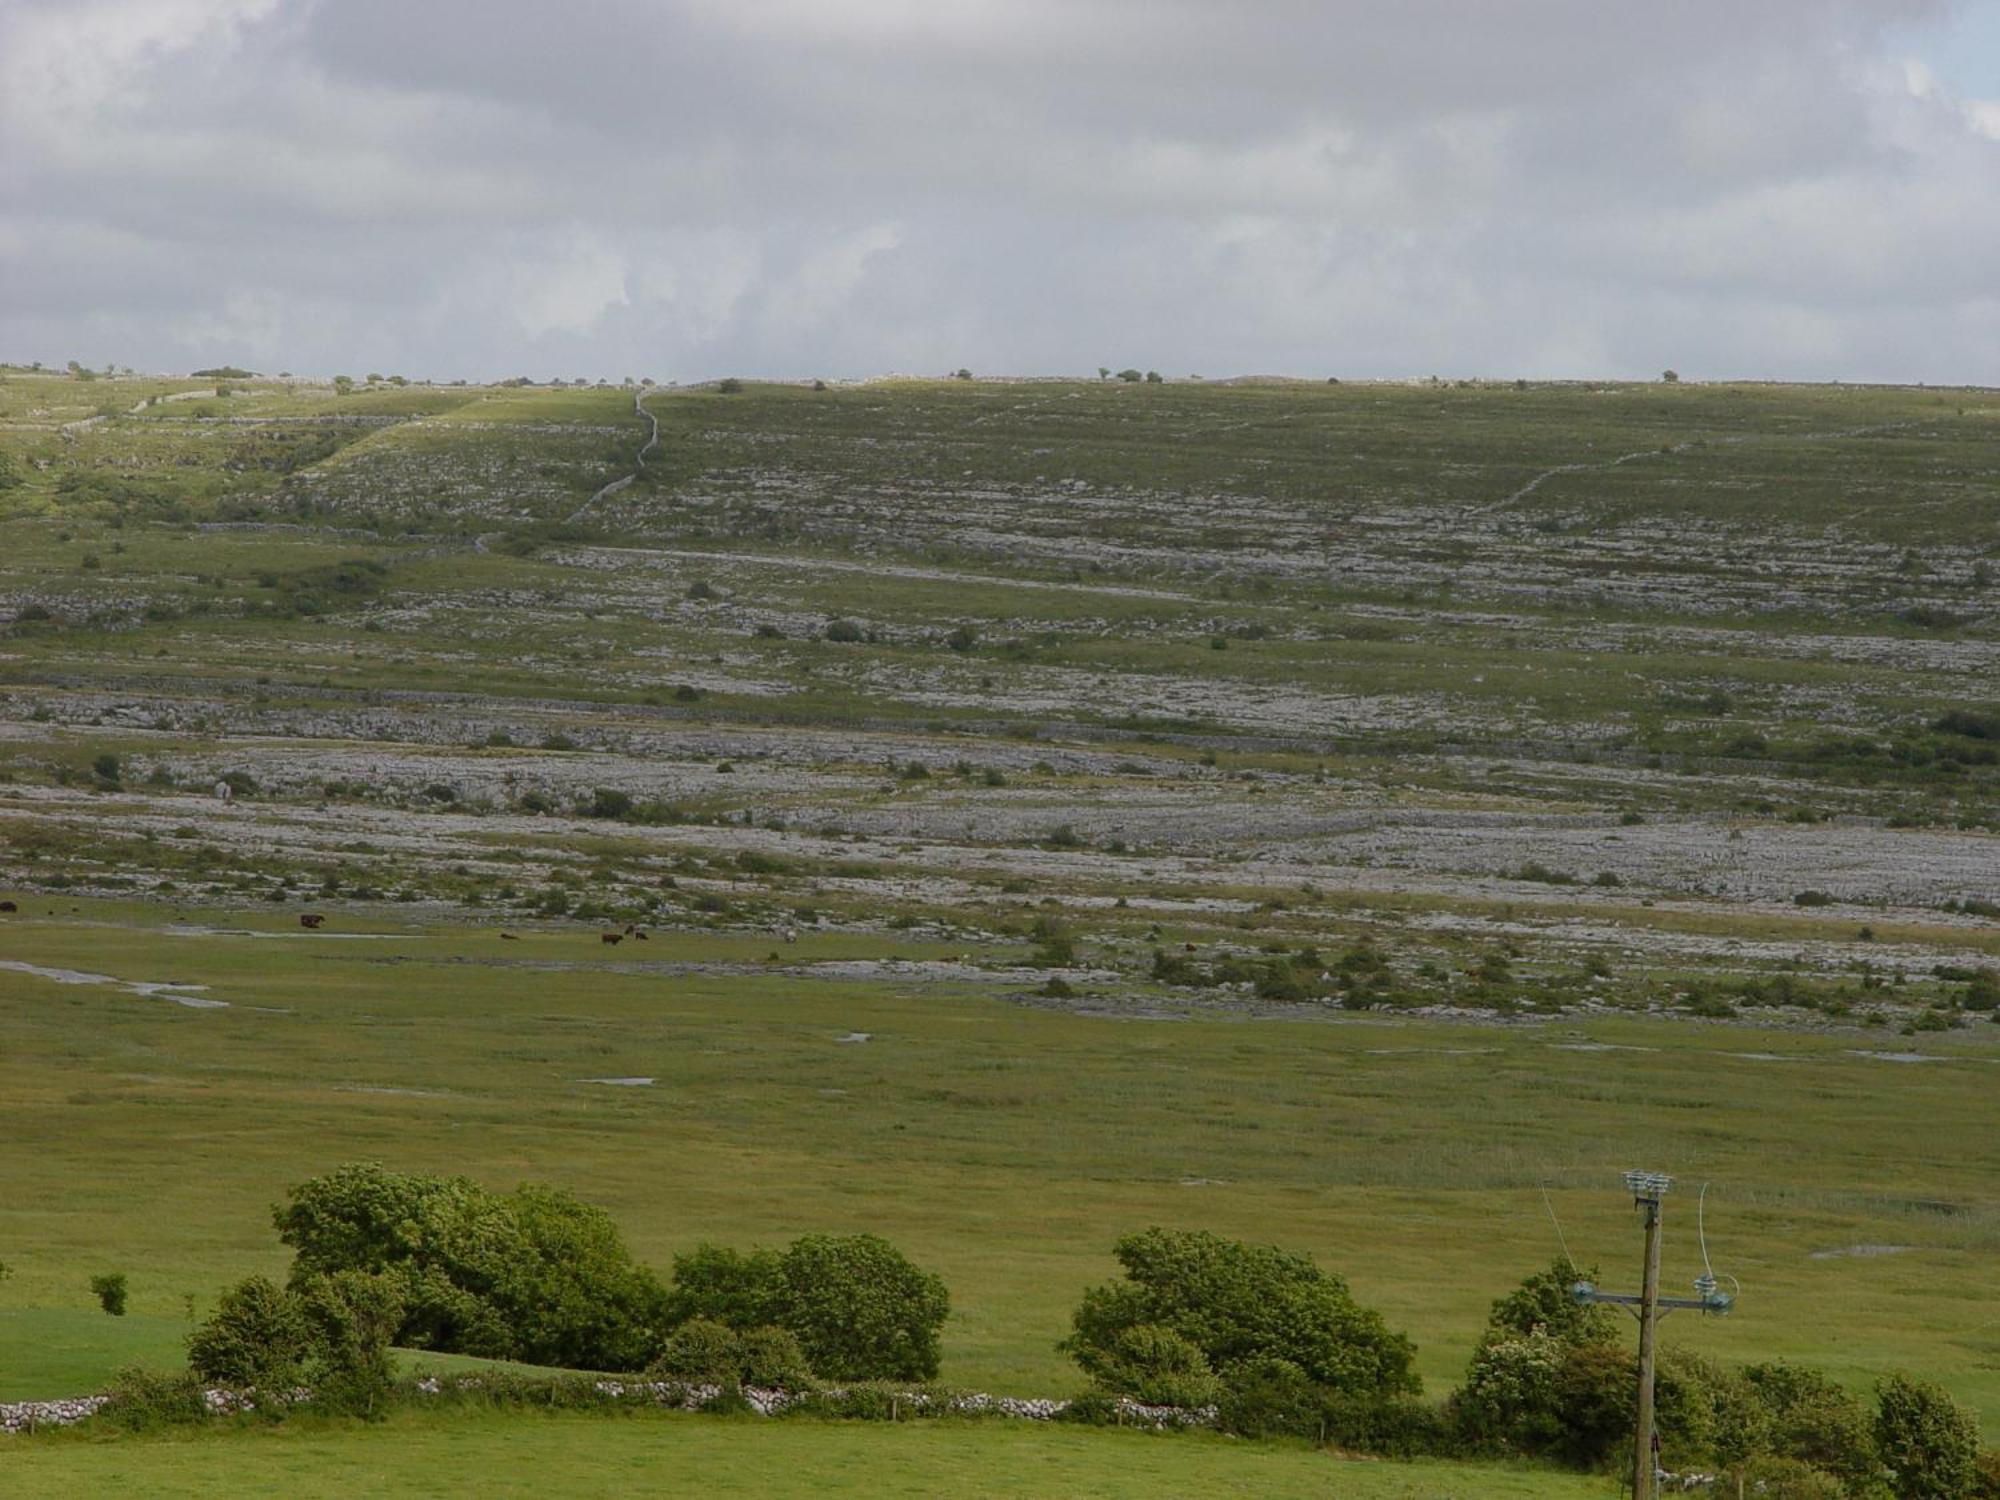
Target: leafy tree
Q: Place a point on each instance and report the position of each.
(1928, 1441)
(353, 1318)
(1814, 1421)
(259, 1336)
(860, 1309)
(729, 1286)
(1511, 1400)
(533, 1274)
(1543, 1302)
(1772, 1478)
(110, 1292)
(704, 1352)
(701, 1352)
(570, 1290)
(1130, 377)
(1238, 1302)
(774, 1357)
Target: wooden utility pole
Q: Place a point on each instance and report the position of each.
(1645, 1472)
(1648, 1188)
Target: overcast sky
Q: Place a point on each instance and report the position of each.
(689, 188)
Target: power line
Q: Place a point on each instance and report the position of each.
(1549, 1204)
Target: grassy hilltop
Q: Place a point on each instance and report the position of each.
(1327, 814)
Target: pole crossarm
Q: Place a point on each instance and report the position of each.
(1717, 1303)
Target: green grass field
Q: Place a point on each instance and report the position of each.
(1005, 1146)
(529, 1455)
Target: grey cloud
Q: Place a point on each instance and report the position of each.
(687, 187)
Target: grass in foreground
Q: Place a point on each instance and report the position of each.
(525, 1454)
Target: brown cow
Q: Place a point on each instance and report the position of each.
(8, 906)
(639, 934)
(611, 937)
(508, 937)
(310, 920)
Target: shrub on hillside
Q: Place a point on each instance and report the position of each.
(145, 1400)
(701, 1352)
(856, 1305)
(258, 1336)
(330, 1333)
(1267, 1396)
(1814, 1421)
(732, 1287)
(110, 1292)
(532, 1275)
(353, 1318)
(704, 1352)
(1771, 1478)
(1543, 1301)
(1929, 1442)
(1236, 1302)
(1155, 1365)
(859, 1308)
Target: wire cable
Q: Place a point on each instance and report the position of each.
(1549, 1204)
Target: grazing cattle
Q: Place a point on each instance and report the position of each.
(611, 937)
(1189, 947)
(791, 934)
(8, 906)
(310, 920)
(508, 937)
(639, 935)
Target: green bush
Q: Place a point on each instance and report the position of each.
(704, 1352)
(1237, 1302)
(145, 1400)
(1266, 1396)
(1401, 1427)
(110, 1292)
(701, 1352)
(1929, 1442)
(1815, 1421)
(732, 1287)
(1511, 1400)
(772, 1357)
(1771, 1478)
(1153, 1364)
(353, 1318)
(859, 1308)
(258, 1336)
(1985, 1476)
(1543, 1301)
(608, 802)
(532, 1275)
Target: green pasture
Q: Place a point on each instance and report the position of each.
(526, 1454)
(1005, 1146)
